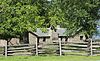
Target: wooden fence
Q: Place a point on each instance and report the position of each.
(48, 49)
(23, 49)
(2, 53)
(75, 48)
(95, 48)
(56, 48)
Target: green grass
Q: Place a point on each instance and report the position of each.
(50, 58)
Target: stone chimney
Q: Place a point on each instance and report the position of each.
(58, 26)
(50, 31)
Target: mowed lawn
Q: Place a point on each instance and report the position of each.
(50, 58)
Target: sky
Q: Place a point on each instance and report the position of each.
(48, 0)
(97, 36)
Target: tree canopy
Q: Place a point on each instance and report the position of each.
(18, 16)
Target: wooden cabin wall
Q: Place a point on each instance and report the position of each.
(3, 42)
(32, 38)
(14, 41)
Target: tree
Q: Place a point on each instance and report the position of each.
(78, 16)
(18, 16)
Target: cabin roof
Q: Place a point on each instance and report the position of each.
(40, 33)
(61, 31)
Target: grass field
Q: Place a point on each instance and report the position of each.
(50, 58)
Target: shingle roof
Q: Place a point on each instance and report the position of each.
(42, 34)
(60, 31)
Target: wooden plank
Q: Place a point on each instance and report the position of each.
(56, 48)
(56, 41)
(71, 51)
(14, 51)
(20, 45)
(52, 44)
(96, 51)
(5, 50)
(75, 53)
(26, 53)
(2, 46)
(2, 52)
(74, 45)
(96, 55)
(91, 47)
(78, 49)
(96, 43)
(96, 46)
(60, 47)
(41, 52)
(1, 55)
(18, 48)
(36, 46)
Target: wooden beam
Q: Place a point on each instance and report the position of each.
(60, 47)
(91, 47)
(36, 46)
(6, 50)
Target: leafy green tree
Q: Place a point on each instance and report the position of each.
(18, 16)
(78, 16)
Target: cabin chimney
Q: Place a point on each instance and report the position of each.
(58, 26)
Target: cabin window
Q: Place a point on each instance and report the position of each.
(86, 36)
(66, 39)
(44, 39)
(81, 37)
(61, 39)
(25, 37)
(38, 41)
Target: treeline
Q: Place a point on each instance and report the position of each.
(18, 16)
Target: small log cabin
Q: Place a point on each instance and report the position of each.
(53, 36)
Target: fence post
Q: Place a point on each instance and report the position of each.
(88, 46)
(91, 47)
(5, 50)
(60, 47)
(37, 46)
